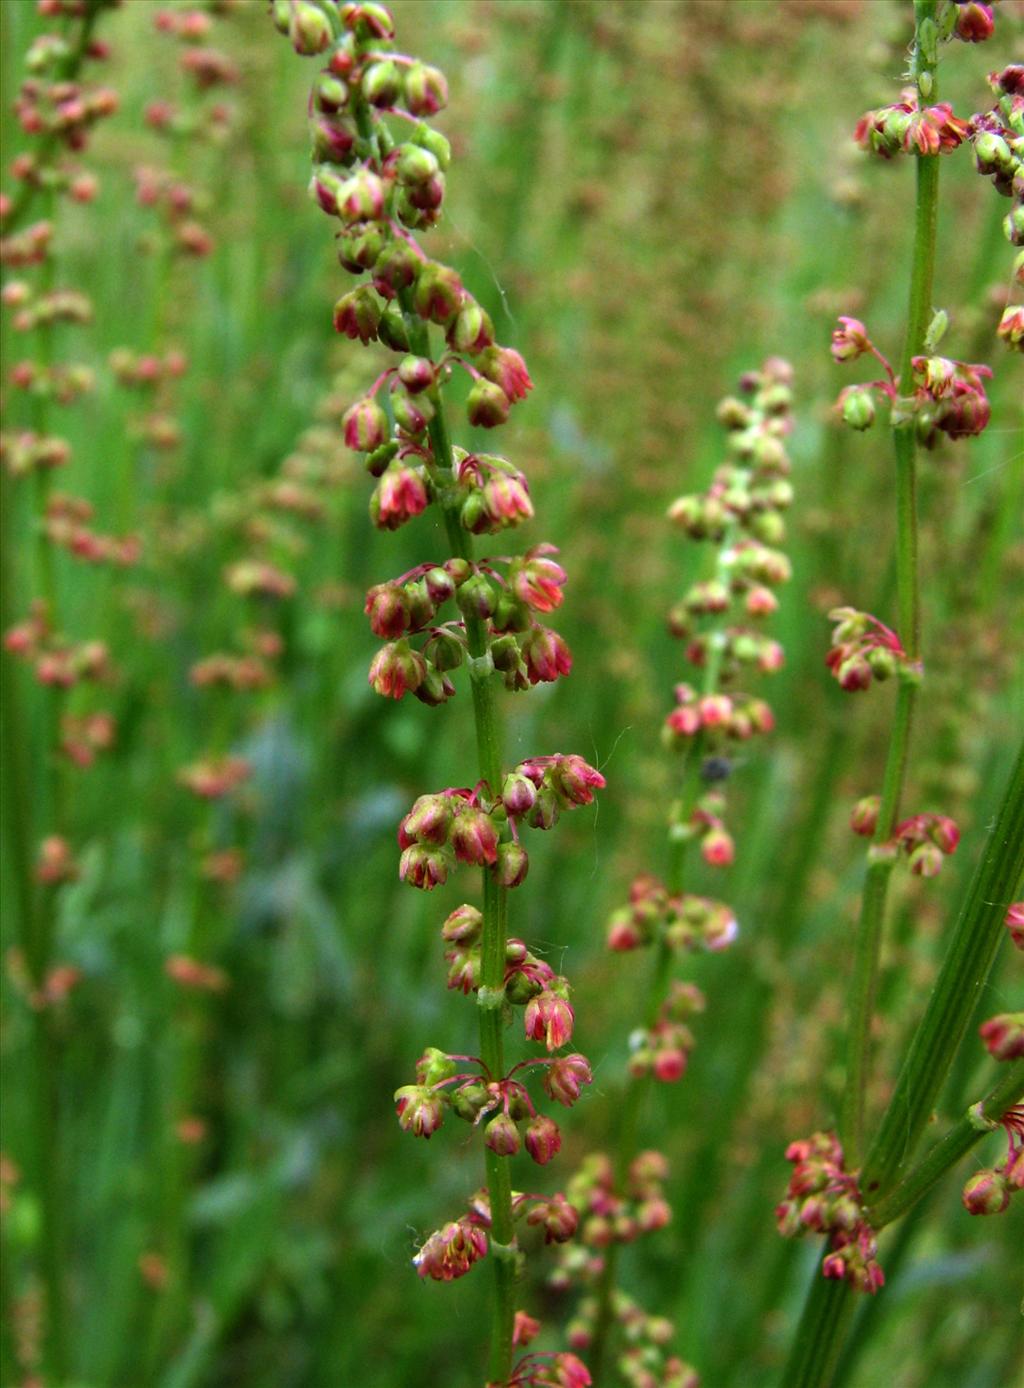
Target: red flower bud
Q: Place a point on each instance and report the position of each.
(397, 669)
(309, 29)
(669, 1065)
(425, 89)
(506, 368)
(986, 1193)
(451, 1251)
(420, 1110)
(464, 925)
(429, 821)
(388, 610)
(565, 1077)
(438, 293)
(382, 84)
(512, 865)
(537, 581)
(575, 780)
(518, 794)
(849, 340)
(525, 1328)
(357, 315)
(926, 860)
(1015, 923)
(362, 198)
(506, 501)
(487, 405)
(864, 818)
(715, 710)
(502, 1136)
(365, 425)
(546, 655)
(1004, 1036)
(400, 495)
(424, 867)
(416, 374)
(549, 1018)
(717, 848)
(472, 331)
(543, 1140)
(974, 22)
(474, 836)
(557, 1217)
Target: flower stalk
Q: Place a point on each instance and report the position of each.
(908, 601)
(385, 183)
(835, 1188)
(720, 618)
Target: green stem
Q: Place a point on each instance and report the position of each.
(976, 939)
(487, 720)
(956, 1144)
(16, 800)
(819, 1336)
(657, 991)
(872, 918)
(829, 1305)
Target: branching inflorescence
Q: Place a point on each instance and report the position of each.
(842, 1186)
(379, 169)
(720, 618)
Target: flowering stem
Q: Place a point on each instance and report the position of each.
(489, 737)
(657, 990)
(976, 940)
(956, 1144)
(48, 145)
(972, 951)
(819, 1336)
(876, 884)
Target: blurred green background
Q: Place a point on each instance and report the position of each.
(649, 198)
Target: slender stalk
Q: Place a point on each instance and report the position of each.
(976, 939)
(956, 1144)
(972, 951)
(820, 1333)
(876, 884)
(657, 990)
(489, 738)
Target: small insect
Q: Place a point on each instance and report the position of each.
(715, 769)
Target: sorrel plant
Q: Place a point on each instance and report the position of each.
(848, 1185)
(379, 168)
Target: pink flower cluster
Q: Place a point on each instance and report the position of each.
(863, 649)
(989, 1191)
(945, 396)
(719, 617)
(924, 839)
(907, 127)
(56, 661)
(823, 1198)
(453, 1249)
(524, 651)
(610, 1217)
(562, 1370)
(67, 524)
(686, 922)
(505, 1103)
(469, 826)
(724, 717)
